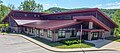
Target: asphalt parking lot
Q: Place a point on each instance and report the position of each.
(15, 44)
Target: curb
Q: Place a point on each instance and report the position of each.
(60, 50)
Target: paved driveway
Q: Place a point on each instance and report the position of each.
(15, 44)
(105, 44)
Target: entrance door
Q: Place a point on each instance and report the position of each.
(74, 33)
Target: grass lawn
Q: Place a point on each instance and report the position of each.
(82, 45)
(3, 33)
(63, 46)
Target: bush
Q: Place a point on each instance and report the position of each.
(71, 41)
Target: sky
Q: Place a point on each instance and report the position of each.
(70, 4)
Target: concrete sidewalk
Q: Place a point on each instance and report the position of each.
(61, 50)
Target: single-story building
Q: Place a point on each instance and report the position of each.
(89, 23)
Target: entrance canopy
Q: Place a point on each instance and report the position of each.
(92, 19)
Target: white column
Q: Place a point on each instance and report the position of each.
(55, 36)
(89, 35)
(90, 25)
(103, 35)
(35, 32)
(28, 30)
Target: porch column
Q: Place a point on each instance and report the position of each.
(28, 30)
(90, 33)
(55, 35)
(35, 31)
(90, 25)
(100, 34)
(103, 35)
(89, 36)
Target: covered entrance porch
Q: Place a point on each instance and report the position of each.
(93, 34)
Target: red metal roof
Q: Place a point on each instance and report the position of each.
(51, 24)
(84, 11)
(77, 11)
(74, 11)
(26, 18)
(93, 19)
(28, 12)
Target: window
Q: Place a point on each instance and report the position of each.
(59, 17)
(25, 15)
(25, 29)
(38, 15)
(67, 17)
(34, 15)
(49, 35)
(61, 34)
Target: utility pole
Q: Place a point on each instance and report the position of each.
(81, 38)
(80, 33)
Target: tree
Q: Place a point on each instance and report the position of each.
(3, 10)
(39, 8)
(1, 1)
(30, 6)
(116, 19)
(55, 10)
(11, 6)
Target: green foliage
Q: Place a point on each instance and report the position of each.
(61, 45)
(116, 19)
(2, 25)
(4, 10)
(30, 6)
(55, 9)
(108, 12)
(58, 9)
(1, 1)
(71, 41)
(11, 6)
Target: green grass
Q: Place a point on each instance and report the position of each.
(64, 46)
(82, 45)
(3, 33)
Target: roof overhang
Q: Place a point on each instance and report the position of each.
(93, 30)
(92, 19)
(51, 24)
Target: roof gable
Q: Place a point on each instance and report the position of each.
(85, 11)
(93, 19)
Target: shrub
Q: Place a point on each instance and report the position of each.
(71, 41)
